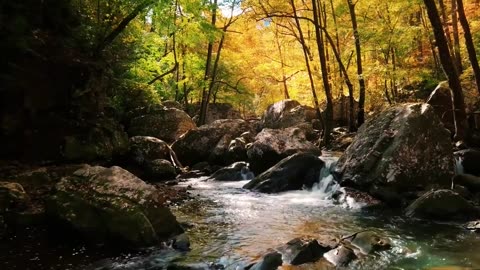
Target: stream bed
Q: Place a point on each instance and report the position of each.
(229, 226)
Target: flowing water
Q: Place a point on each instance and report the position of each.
(230, 226)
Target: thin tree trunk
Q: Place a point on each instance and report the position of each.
(458, 107)
(456, 39)
(286, 95)
(323, 65)
(207, 77)
(443, 12)
(472, 55)
(361, 80)
(307, 58)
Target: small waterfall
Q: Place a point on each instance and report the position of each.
(458, 165)
(327, 186)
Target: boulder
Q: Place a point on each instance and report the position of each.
(302, 250)
(404, 148)
(12, 197)
(103, 141)
(209, 142)
(442, 205)
(181, 242)
(160, 169)
(167, 124)
(471, 182)
(367, 242)
(441, 100)
(270, 261)
(272, 145)
(292, 173)
(287, 113)
(470, 160)
(144, 149)
(112, 205)
(235, 172)
(340, 256)
(218, 111)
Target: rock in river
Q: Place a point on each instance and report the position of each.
(442, 204)
(291, 173)
(111, 204)
(235, 172)
(272, 145)
(404, 148)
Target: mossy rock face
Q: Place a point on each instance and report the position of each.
(103, 142)
(144, 149)
(404, 148)
(112, 204)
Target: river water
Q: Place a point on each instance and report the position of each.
(228, 225)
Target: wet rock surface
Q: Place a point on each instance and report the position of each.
(404, 148)
(292, 173)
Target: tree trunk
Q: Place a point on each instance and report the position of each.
(456, 39)
(361, 80)
(323, 65)
(207, 77)
(307, 58)
(286, 95)
(449, 69)
(121, 26)
(472, 55)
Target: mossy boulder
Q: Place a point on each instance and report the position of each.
(404, 148)
(210, 142)
(167, 124)
(103, 141)
(160, 169)
(144, 149)
(112, 205)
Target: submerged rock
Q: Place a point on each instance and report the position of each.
(405, 148)
(181, 242)
(270, 261)
(442, 205)
(302, 250)
(272, 145)
(111, 204)
(235, 172)
(340, 256)
(291, 173)
(369, 241)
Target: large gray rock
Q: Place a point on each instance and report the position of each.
(112, 204)
(167, 124)
(442, 204)
(272, 145)
(404, 148)
(209, 142)
(292, 173)
(287, 113)
(144, 149)
(235, 172)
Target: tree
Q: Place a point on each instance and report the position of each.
(358, 49)
(449, 70)
(472, 55)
